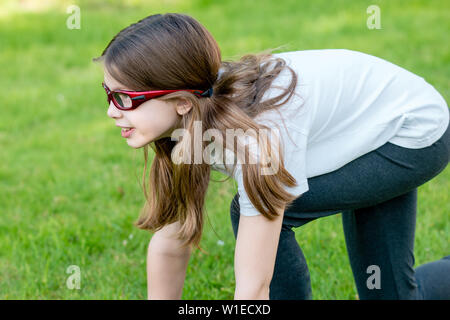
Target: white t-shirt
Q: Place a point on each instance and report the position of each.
(348, 104)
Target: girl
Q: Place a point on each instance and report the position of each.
(350, 133)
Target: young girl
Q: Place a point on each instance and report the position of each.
(358, 136)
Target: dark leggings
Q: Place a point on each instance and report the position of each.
(377, 196)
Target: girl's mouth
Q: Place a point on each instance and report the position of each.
(126, 133)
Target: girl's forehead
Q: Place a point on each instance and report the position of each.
(112, 83)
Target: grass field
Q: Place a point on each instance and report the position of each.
(70, 185)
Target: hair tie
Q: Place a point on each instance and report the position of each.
(207, 93)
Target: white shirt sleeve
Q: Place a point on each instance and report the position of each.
(294, 162)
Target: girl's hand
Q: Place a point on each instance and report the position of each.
(255, 253)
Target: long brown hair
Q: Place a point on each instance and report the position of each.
(174, 51)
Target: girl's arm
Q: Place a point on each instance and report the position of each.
(166, 265)
(255, 253)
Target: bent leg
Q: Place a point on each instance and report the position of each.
(377, 195)
(380, 246)
(383, 236)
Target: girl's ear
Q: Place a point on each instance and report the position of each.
(183, 106)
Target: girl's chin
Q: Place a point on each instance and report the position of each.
(137, 143)
(133, 143)
(137, 140)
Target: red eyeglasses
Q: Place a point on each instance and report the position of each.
(129, 100)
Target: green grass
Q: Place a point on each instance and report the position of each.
(69, 184)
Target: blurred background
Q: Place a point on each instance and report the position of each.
(70, 185)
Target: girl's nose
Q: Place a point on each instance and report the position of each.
(113, 112)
